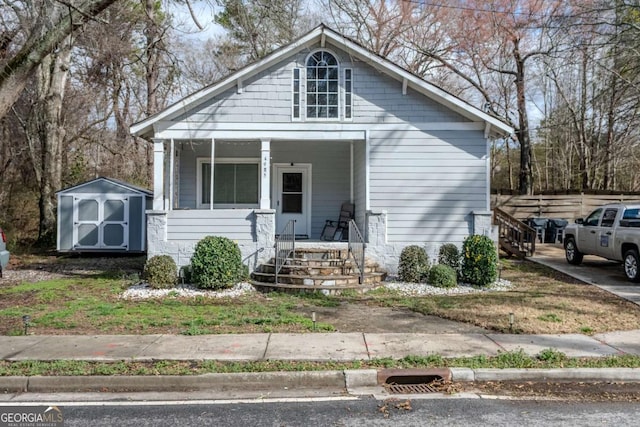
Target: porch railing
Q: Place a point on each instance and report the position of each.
(356, 248)
(285, 246)
(515, 237)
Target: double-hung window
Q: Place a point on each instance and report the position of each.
(236, 183)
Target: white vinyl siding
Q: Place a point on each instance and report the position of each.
(428, 183)
(194, 225)
(267, 97)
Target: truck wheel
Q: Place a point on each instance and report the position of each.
(571, 252)
(631, 265)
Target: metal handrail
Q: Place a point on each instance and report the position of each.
(356, 248)
(285, 246)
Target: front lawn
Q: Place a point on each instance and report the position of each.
(542, 301)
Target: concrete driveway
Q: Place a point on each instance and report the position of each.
(597, 271)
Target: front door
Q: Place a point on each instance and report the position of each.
(292, 198)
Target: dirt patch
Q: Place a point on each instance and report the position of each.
(365, 318)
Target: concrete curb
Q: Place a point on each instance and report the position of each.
(562, 374)
(172, 383)
(344, 380)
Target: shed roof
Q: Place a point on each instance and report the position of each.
(110, 181)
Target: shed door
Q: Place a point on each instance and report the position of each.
(101, 222)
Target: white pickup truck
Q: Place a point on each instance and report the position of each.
(612, 232)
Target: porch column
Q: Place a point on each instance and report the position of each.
(213, 161)
(158, 174)
(265, 175)
(172, 154)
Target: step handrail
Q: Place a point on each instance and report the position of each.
(285, 246)
(515, 232)
(357, 248)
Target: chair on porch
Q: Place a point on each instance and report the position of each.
(339, 230)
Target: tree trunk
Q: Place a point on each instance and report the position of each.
(46, 127)
(525, 185)
(153, 50)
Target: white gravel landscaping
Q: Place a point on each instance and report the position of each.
(143, 290)
(417, 289)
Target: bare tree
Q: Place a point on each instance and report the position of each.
(35, 29)
(257, 27)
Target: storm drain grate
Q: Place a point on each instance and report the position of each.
(410, 388)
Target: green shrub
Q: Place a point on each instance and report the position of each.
(479, 261)
(414, 264)
(443, 276)
(160, 271)
(449, 254)
(216, 263)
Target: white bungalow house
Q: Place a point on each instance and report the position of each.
(315, 124)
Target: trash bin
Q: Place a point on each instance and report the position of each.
(540, 225)
(555, 228)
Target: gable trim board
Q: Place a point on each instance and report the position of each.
(147, 128)
(126, 186)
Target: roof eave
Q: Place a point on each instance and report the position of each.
(144, 128)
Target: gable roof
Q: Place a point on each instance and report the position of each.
(112, 181)
(323, 34)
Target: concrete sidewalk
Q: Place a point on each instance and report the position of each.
(307, 346)
(300, 347)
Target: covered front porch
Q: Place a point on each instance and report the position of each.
(247, 189)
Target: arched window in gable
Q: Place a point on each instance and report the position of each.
(322, 86)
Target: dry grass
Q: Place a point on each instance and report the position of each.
(81, 296)
(543, 302)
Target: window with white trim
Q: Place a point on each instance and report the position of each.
(348, 98)
(322, 90)
(296, 93)
(236, 183)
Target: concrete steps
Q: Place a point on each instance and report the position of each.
(318, 269)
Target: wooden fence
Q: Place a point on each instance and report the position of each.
(569, 207)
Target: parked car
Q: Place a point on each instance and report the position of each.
(4, 253)
(612, 232)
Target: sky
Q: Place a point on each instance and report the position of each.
(204, 11)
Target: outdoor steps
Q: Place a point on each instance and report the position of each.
(327, 270)
(511, 248)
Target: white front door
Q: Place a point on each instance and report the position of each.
(292, 197)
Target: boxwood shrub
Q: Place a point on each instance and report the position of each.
(216, 263)
(414, 264)
(443, 276)
(449, 254)
(479, 261)
(160, 271)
